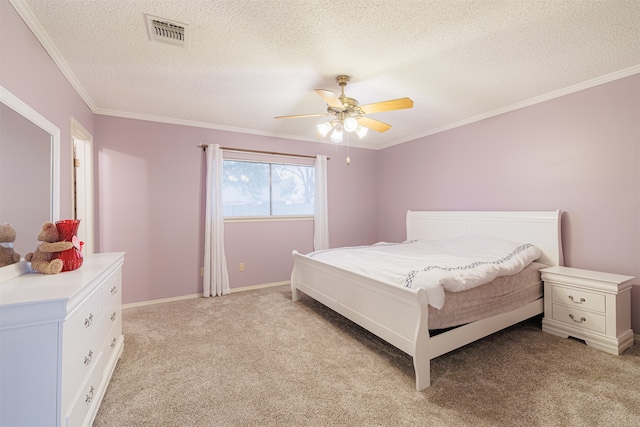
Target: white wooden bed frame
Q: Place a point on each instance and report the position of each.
(399, 315)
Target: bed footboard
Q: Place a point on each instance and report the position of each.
(400, 316)
(397, 315)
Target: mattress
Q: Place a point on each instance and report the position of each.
(501, 295)
(436, 266)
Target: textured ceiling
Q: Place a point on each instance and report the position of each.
(248, 61)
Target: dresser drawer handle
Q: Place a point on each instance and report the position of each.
(89, 320)
(582, 300)
(114, 290)
(88, 358)
(89, 397)
(113, 316)
(113, 342)
(582, 319)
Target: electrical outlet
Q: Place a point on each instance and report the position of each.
(201, 271)
(241, 266)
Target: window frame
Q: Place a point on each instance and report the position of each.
(266, 218)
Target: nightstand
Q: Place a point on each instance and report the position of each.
(589, 305)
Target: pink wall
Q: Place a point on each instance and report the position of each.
(150, 204)
(579, 153)
(27, 71)
(148, 184)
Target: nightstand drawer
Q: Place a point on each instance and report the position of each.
(579, 298)
(579, 318)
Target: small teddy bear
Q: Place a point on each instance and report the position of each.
(48, 245)
(7, 237)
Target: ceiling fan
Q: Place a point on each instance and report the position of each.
(349, 115)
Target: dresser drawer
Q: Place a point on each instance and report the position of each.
(112, 289)
(76, 372)
(577, 318)
(111, 316)
(112, 326)
(112, 338)
(579, 298)
(79, 410)
(80, 324)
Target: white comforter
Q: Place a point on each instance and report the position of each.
(455, 265)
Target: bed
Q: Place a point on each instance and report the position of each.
(400, 314)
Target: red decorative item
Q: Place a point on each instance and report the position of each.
(71, 258)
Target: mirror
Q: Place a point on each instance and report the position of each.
(29, 153)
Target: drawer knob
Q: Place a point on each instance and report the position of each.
(114, 290)
(113, 316)
(88, 358)
(89, 320)
(582, 319)
(582, 300)
(89, 397)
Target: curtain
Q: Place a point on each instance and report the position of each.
(321, 216)
(216, 276)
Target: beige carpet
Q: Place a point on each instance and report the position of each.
(256, 358)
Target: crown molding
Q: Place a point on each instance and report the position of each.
(29, 18)
(27, 15)
(206, 125)
(532, 101)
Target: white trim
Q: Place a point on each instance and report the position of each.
(159, 301)
(265, 285)
(29, 113)
(184, 297)
(25, 12)
(269, 218)
(518, 105)
(16, 104)
(78, 132)
(522, 104)
(29, 18)
(205, 125)
(636, 338)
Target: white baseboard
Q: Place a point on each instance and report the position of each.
(265, 285)
(636, 338)
(159, 301)
(183, 297)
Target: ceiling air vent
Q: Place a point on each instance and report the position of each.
(165, 31)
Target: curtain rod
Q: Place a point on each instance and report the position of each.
(272, 153)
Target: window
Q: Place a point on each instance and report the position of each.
(258, 189)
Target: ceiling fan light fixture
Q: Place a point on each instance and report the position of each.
(361, 131)
(348, 114)
(336, 136)
(350, 124)
(325, 128)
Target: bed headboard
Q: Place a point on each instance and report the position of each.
(540, 228)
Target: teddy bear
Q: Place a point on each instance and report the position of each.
(7, 237)
(48, 245)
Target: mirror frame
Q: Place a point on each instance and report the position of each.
(10, 100)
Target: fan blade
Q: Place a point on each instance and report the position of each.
(374, 124)
(330, 98)
(300, 115)
(392, 104)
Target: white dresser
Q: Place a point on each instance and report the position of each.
(60, 340)
(589, 305)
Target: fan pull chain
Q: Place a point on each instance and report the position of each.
(348, 158)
